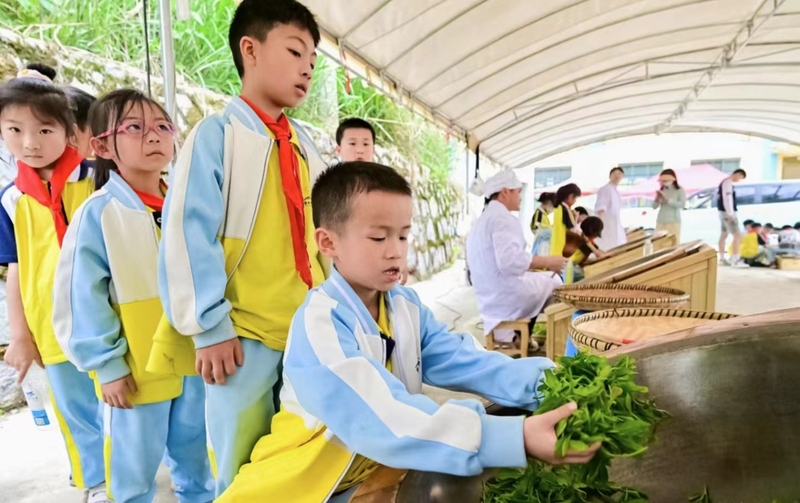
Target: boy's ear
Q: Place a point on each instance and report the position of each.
(247, 47)
(338, 150)
(100, 148)
(326, 242)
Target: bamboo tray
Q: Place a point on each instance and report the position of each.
(597, 297)
(606, 330)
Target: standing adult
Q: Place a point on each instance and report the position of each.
(608, 207)
(670, 201)
(729, 221)
(499, 264)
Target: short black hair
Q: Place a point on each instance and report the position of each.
(47, 102)
(748, 222)
(797, 226)
(353, 123)
(256, 18)
(47, 71)
(580, 210)
(592, 227)
(769, 225)
(334, 190)
(548, 197)
(617, 168)
(563, 193)
(756, 224)
(740, 172)
(80, 101)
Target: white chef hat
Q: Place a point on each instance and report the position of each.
(503, 180)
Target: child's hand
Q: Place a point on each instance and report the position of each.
(215, 362)
(116, 392)
(540, 438)
(21, 353)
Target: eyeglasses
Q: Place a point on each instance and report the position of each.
(136, 129)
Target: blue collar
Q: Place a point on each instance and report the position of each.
(123, 192)
(339, 289)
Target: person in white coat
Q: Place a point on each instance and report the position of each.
(500, 266)
(608, 207)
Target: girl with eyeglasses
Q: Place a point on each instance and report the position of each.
(107, 310)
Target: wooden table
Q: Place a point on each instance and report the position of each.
(694, 272)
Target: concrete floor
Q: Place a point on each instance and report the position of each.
(33, 464)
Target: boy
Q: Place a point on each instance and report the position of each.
(238, 253)
(729, 221)
(591, 229)
(581, 214)
(359, 350)
(355, 140)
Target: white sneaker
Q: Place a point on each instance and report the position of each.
(97, 494)
(740, 264)
(724, 262)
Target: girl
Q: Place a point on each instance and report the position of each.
(81, 102)
(563, 218)
(37, 125)
(109, 312)
(540, 219)
(670, 201)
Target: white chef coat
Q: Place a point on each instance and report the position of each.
(609, 201)
(498, 263)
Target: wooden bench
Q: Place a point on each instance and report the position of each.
(523, 327)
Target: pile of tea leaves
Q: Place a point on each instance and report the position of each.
(612, 409)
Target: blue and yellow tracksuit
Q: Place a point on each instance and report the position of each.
(226, 266)
(339, 400)
(106, 311)
(28, 238)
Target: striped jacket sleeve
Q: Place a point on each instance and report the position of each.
(372, 412)
(458, 363)
(191, 261)
(87, 327)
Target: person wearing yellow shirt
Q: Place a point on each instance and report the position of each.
(238, 254)
(37, 126)
(359, 350)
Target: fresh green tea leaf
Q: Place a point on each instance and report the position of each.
(612, 409)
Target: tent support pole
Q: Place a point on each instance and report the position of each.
(168, 57)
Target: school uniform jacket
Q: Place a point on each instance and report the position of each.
(217, 188)
(106, 304)
(339, 399)
(28, 238)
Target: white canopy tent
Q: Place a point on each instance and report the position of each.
(527, 79)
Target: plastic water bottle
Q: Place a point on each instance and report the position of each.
(569, 273)
(34, 387)
(648, 247)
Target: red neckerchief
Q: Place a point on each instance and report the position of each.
(152, 201)
(290, 179)
(29, 183)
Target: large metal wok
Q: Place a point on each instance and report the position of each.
(733, 390)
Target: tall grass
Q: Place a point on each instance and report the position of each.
(114, 29)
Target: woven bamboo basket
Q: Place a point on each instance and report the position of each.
(597, 297)
(606, 330)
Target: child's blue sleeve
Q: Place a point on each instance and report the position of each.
(191, 262)
(458, 363)
(373, 413)
(87, 327)
(8, 240)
